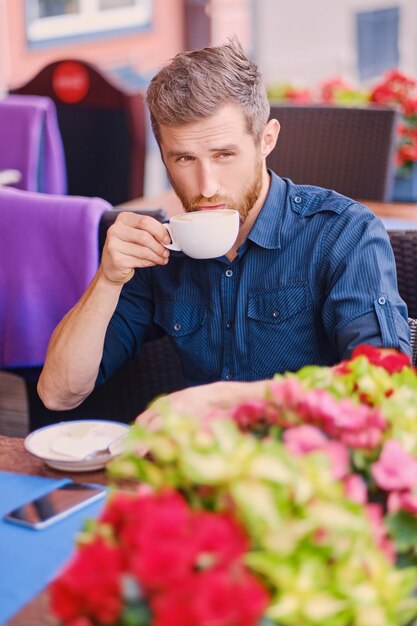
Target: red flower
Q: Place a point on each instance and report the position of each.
(398, 90)
(253, 413)
(406, 153)
(392, 362)
(410, 107)
(170, 554)
(330, 88)
(121, 510)
(219, 539)
(217, 597)
(301, 96)
(90, 586)
(159, 543)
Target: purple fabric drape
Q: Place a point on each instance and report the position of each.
(30, 141)
(48, 255)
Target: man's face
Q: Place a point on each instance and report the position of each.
(214, 163)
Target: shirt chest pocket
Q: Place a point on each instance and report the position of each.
(186, 325)
(276, 327)
(179, 319)
(277, 305)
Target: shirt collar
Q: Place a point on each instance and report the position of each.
(266, 231)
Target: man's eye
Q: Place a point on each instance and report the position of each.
(184, 159)
(225, 155)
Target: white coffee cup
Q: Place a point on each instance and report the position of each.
(203, 234)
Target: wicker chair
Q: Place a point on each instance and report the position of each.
(404, 244)
(348, 149)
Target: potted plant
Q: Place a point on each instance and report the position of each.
(398, 90)
(296, 508)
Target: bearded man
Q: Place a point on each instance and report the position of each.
(310, 276)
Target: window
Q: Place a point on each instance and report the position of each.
(58, 19)
(377, 37)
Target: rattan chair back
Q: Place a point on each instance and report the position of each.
(348, 149)
(404, 244)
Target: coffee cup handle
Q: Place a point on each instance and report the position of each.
(173, 245)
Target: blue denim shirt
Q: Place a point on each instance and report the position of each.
(315, 277)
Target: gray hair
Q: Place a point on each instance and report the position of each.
(195, 85)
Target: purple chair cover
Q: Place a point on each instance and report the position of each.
(48, 255)
(30, 141)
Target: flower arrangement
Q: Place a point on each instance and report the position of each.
(398, 90)
(395, 89)
(298, 508)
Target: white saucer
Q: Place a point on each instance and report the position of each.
(40, 443)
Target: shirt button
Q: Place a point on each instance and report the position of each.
(177, 326)
(229, 325)
(229, 273)
(297, 199)
(381, 300)
(275, 314)
(228, 377)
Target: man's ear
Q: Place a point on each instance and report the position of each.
(269, 137)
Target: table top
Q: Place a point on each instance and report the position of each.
(14, 458)
(169, 201)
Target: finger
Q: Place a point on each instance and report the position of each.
(131, 234)
(122, 237)
(145, 223)
(132, 256)
(149, 419)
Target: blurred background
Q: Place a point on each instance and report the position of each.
(298, 44)
(298, 41)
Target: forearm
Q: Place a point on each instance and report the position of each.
(76, 347)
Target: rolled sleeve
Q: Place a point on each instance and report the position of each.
(367, 329)
(363, 303)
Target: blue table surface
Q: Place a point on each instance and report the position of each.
(30, 559)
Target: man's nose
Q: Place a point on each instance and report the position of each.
(208, 183)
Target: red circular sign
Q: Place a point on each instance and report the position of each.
(70, 81)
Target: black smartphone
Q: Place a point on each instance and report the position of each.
(55, 505)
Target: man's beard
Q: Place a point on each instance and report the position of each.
(243, 204)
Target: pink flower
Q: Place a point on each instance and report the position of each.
(402, 500)
(305, 439)
(302, 439)
(376, 517)
(355, 425)
(287, 392)
(355, 488)
(358, 426)
(339, 459)
(321, 407)
(370, 435)
(395, 469)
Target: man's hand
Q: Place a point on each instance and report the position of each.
(202, 401)
(133, 241)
